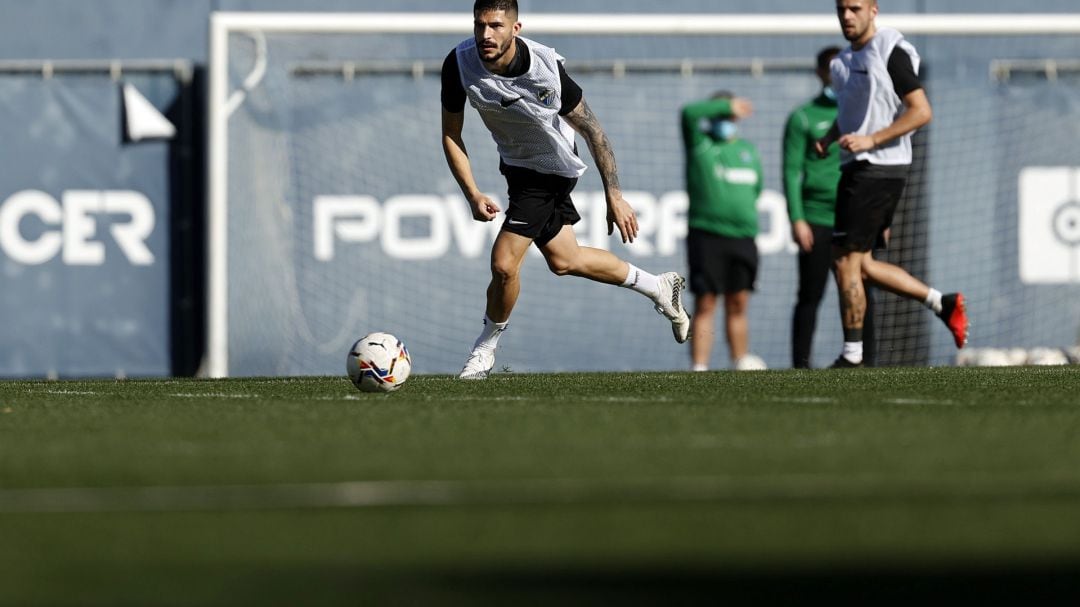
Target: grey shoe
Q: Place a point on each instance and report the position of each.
(669, 303)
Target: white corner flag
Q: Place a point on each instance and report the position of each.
(142, 119)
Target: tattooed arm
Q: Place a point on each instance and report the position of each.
(619, 214)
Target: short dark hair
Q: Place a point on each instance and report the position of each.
(723, 95)
(825, 56)
(483, 6)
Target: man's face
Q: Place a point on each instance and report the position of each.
(494, 32)
(856, 18)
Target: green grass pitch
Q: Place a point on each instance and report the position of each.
(540, 489)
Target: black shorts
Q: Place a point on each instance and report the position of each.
(719, 264)
(540, 204)
(865, 202)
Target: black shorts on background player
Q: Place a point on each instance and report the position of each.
(719, 264)
(540, 205)
(866, 200)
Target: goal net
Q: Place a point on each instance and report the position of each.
(333, 213)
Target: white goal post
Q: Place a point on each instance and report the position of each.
(226, 95)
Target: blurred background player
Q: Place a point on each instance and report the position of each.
(810, 183)
(881, 102)
(533, 108)
(723, 181)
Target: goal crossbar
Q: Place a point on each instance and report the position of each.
(608, 24)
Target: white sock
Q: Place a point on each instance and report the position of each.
(641, 281)
(933, 301)
(489, 337)
(853, 351)
(699, 367)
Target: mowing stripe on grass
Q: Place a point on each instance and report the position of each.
(363, 494)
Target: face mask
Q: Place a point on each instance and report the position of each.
(724, 130)
(829, 93)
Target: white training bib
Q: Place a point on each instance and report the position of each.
(522, 112)
(867, 100)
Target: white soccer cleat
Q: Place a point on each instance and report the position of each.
(669, 303)
(479, 365)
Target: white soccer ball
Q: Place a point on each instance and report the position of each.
(378, 362)
(750, 362)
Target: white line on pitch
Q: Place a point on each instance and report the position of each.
(480, 398)
(801, 399)
(213, 395)
(71, 392)
(368, 494)
(918, 401)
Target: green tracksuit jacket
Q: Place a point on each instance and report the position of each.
(810, 182)
(723, 178)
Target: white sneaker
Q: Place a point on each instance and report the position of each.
(750, 362)
(480, 363)
(669, 303)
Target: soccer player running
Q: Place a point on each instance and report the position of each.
(532, 109)
(810, 183)
(723, 182)
(881, 103)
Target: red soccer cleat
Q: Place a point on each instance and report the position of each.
(954, 315)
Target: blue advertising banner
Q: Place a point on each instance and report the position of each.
(84, 239)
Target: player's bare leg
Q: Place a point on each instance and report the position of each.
(950, 308)
(565, 257)
(704, 331)
(893, 278)
(849, 286)
(507, 255)
(737, 323)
